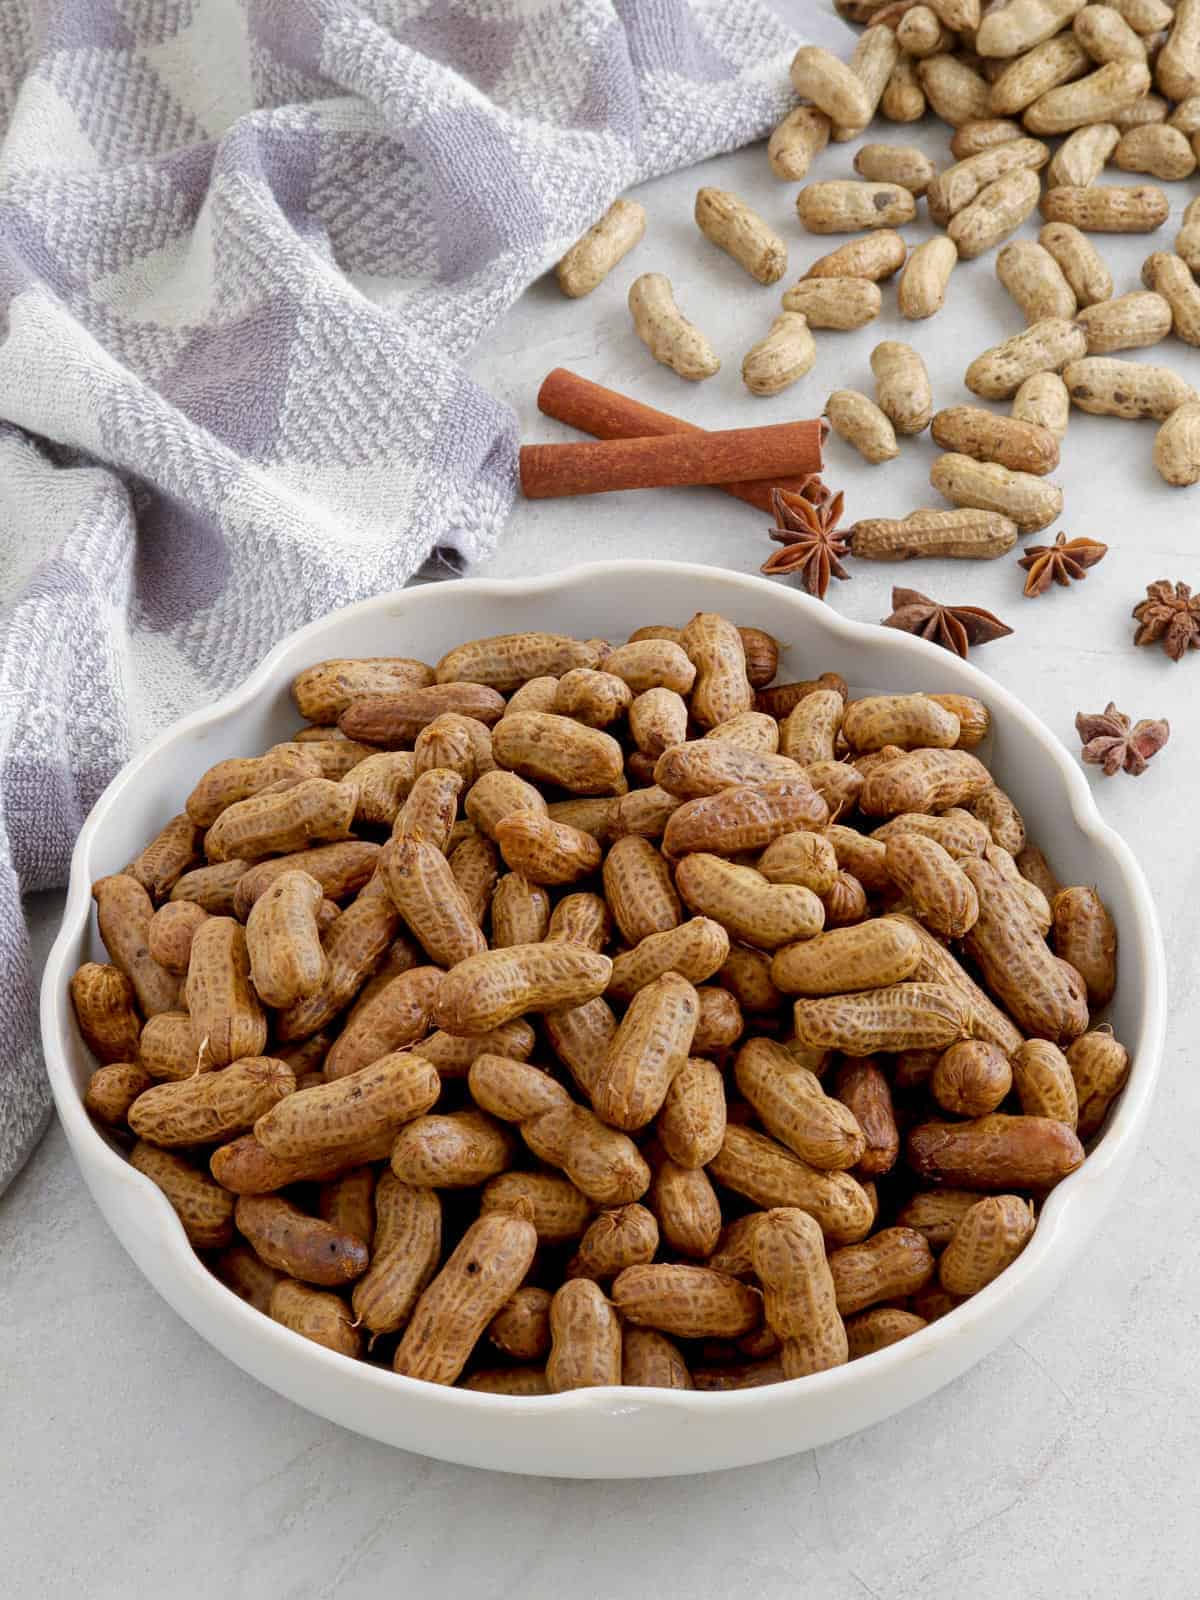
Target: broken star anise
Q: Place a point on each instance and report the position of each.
(812, 545)
(1111, 742)
(1059, 562)
(955, 628)
(1169, 614)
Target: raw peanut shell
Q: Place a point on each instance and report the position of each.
(965, 535)
(877, 257)
(1130, 322)
(1029, 501)
(796, 141)
(996, 212)
(1107, 387)
(734, 227)
(591, 258)
(862, 423)
(668, 335)
(1108, 208)
(921, 292)
(902, 386)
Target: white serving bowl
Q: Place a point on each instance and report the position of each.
(615, 1433)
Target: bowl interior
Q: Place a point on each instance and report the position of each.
(610, 600)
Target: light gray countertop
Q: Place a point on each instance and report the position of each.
(137, 1460)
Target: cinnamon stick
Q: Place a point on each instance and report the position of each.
(670, 460)
(607, 414)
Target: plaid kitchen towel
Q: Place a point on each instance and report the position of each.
(244, 246)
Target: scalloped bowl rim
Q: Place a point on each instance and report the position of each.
(1073, 1208)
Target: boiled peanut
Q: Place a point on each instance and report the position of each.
(650, 1046)
(1042, 1078)
(420, 884)
(283, 942)
(688, 1212)
(995, 1153)
(458, 1151)
(875, 1330)
(496, 795)
(213, 1106)
(1099, 1065)
(906, 721)
(1177, 66)
(989, 1238)
(102, 997)
(902, 164)
(1163, 152)
(558, 750)
(657, 720)
(799, 1299)
(793, 1107)
(303, 1247)
(620, 1238)
(352, 1109)
(650, 1360)
(1086, 936)
(892, 1264)
(124, 912)
(544, 851)
(940, 893)
(580, 1037)
(848, 960)
(558, 1210)
(521, 1327)
(323, 691)
(771, 1175)
(668, 335)
(753, 731)
(1177, 446)
(274, 824)
(453, 1056)
(1022, 24)
(495, 986)
(903, 99)
(341, 870)
(688, 1302)
(507, 660)
(745, 903)
(591, 258)
(1080, 261)
(585, 1337)
(1046, 997)
(212, 888)
(819, 76)
(1171, 277)
(691, 1124)
(592, 697)
(900, 1016)
(520, 912)
(972, 137)
(924, 780)
(113, 1089)
(862, 1087)
(430, 808)
(971, 1078)
(874, 57)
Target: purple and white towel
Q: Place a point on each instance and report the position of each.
(244, 247)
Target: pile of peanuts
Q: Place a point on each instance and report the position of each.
(1005, 78)
(566, 1015)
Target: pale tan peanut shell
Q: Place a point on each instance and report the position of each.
(903, 99)
(721, 689)
(1043, 401)
(1186, 115)
(877, 257)
(989, 1238)
(650, 1360)
(891, 1265)
(323, 1318)
(657, 720)
(585, 1334)
(668, 335)
(521, 1327)
(202, 1206)
(996, 212)
(955, 90)
(971, 1078)
(809, 732)
(495, 986)
(482, 1273)
(653, 664)
(1171, 276)
(689, 1302)
(804, 858)
(591, 258)
(623, 1237)
(1107, 387)
(1177, 446)
(972, 137)
(922, 289)
(1099, 1065)
(1042, 1078)
(957, 186)
(861, 422)
(935, 886)
(1086, 936)
(875, 1330)
(848, 206)
(890, 163)
(558, 1210)
(1083, 155)
(863, 1088)
(920, 33)
(341, 870)
(161, 863)
(782, 358)
(1080, 261)
(819, 76)
(794, 1108)
(212, 887)
(687, 1208)
(1026, 79)
(592, 697)
(639, 891)
(902, 386)
(535, 694)
(1098, 97)
(1029, 501)
(848, 960)
(796, 141)
(1106, 36)
(874, 57)
(924, 780)
(1187, 240)
(1177, 67)
(1129, 322)
(650, 1046)
(1019, 446)
(323, 691)
(736, 228)
(504, 661)
(1019, 26)
(301, 1246)
(1046, 346)
(691, 1124)
(839, 303)
(242, 776)
(211, 1107)
(899, 1016)
(1045, 997)
(746, 974)
(1162, 152)
(274, 824)
(112, 1090)
(964, 535)
(1035, 281)
(907, 721)
(124, 912)
(765, 1172)
(753, 731)
(458, 1151)
(102, 997)
(799, 1298)
(1107, 208)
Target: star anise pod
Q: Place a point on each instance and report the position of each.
(812, 545)
(1059, 562)
(955, 628)
(1110, 742)
(1170, 614)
